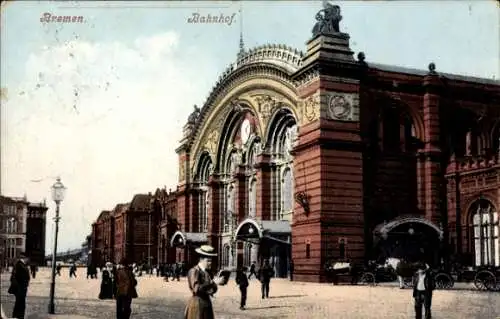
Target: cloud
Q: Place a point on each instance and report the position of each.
(106, 117)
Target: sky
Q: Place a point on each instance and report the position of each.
(102, 103)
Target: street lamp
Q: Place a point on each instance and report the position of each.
(58, 191)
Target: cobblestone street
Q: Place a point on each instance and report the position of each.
(77, 298)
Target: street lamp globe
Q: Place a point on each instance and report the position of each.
(250, 230)
(411, 231)
(58, 191)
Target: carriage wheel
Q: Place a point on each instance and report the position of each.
(444, 281)
(367, 279)
(485, 280)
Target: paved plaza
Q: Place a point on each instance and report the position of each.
(77, 298)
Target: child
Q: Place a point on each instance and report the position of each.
(242, 281)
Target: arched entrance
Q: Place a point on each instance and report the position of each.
(185, 244)
(411, 238)
(270, 239)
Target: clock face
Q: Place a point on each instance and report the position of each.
(245, 131)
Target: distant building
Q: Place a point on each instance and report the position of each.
(22, 229)
(35, 236)
(139, 230)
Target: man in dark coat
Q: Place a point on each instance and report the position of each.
(19, 282)
(125, 283)
(266, 272)
(252, 271)
(242, 282)
(292, 268)
(423, 286)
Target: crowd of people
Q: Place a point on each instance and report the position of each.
(119, 282)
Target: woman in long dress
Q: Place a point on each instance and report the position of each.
(202, 286)
(107, 282)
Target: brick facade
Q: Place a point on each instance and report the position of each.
(397, 156)
(375, 152)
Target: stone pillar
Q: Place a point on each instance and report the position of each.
(216, 189)
(241, 193)
(328, 159)
(240, 207)
(264, 195)
(432, 149)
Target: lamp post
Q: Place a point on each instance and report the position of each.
(58, 191)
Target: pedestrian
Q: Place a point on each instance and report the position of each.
(292, 268)
(72, 270)
(265, 275)
(252, 270)
(125, 290)
(106, 291)
(33, 270)
(202, 286)
(19, 282)
(423, 286)
(58, 269)
(177, 272)
(242, 282)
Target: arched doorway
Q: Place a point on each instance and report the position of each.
(484, 233)
(412, 238)
(266, 239)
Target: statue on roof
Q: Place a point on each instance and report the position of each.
(328, 20)
(193, 117)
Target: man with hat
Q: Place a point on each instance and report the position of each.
(19, 282)
(202, 286)
(423, 286)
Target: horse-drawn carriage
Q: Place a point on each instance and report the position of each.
(357, 273)
(485, 278)
(405, 271)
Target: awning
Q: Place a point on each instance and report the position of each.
(180, 239)
(254, 230)
(382, 230)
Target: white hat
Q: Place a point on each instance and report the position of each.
(206, 250)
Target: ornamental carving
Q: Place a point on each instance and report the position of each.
(343, 107)
(266, 106)
(211, 142)
(310, 109)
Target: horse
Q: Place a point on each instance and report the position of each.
(404, 270)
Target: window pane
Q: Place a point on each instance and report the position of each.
(495, 218)
(477, 246)
(497, 251)
(476, 219)
(495, 233)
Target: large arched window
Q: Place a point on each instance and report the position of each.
(485, 233)
(204, 172)
(251, 158)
